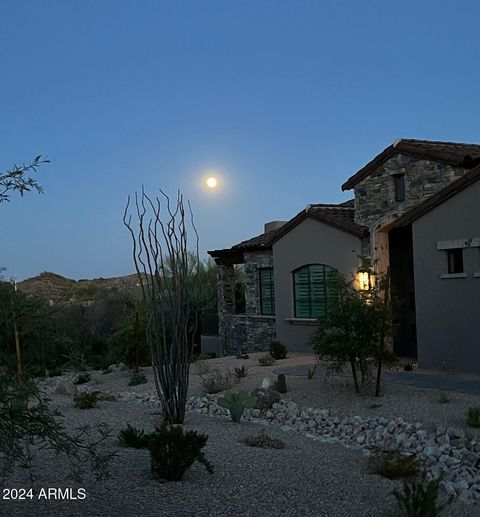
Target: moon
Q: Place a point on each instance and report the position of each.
(212, 182)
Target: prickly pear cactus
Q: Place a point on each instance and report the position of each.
(236, 403)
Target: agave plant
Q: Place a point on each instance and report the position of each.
(237, 402)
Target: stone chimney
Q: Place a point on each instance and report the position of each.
(273, 225)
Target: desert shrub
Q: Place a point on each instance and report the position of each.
(420, 498)
(205, 355)
(473, 417)
(311, 371)
(236, 403)
(173, 451)
(218, 381)
(201, 367)
(394, 465)
(85, 400)
(137, 378)
(266, 360)
(443, 398)
(277, 350)
(240, 372)
(264, 441)
(133, 437)
(81, 378)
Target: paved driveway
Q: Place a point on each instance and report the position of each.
(436, 380)
(421, 379)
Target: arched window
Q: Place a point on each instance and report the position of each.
(311, 290)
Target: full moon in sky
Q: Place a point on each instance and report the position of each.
(211, 182)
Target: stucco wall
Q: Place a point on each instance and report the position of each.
(448, 310)
(311, 242)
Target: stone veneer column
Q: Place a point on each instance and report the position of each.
(226, 300)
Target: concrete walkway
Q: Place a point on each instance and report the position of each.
(436, 381)
(420, 379)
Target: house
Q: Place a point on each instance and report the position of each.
(415, 214)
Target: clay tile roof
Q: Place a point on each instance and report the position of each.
(340, 216)
(452, 153)
(438, 198)
(254, 244)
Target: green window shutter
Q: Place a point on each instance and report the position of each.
(312, 290)
(267, 292)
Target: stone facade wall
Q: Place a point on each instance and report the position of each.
(226, 301)
(375, 195)
(249, 332)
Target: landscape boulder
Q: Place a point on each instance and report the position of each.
(265, 398)
(66, 387)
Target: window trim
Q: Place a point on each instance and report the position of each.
(272, 290)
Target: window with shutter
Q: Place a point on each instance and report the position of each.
(267, 291)
(312, 290)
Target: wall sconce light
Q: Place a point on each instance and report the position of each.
(365, 280)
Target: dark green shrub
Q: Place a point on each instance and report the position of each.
(281, 383)
(173, 451)
(420, 498)
(85, 400)
(264, 441)
(443, 398)
(240, 372)
(394, 465)
(133, 437)
(237, 403)
(473, 417)
(266, 360)
(137, 378)
(277, 350)
(81, 378)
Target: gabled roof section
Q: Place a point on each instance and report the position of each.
(256, 243)
(451, 153)
(340, 216)
(437, 199)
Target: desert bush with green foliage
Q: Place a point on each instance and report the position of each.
(420, 498)
(240, 371)
(264, 441)
(218, 380)
(266, 360)
(443, 398)
(473, 417)
(277, 350)
(236, 403)
(133, 437)
(354, 328)
(201, 367)
(81, 378)
(174, 450)
(392, 464)
(85, 400)
(137, 379)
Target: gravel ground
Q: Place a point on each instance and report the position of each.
(307, 478)
(326, 391)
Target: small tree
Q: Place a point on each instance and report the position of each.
(165, 270)
(355, 328)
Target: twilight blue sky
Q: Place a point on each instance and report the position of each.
(284, 99)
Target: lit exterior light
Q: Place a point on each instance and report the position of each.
(365, 280)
